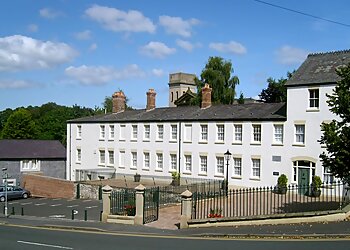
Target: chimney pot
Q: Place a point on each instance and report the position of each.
(151, 100)
(206, 96)
(118, 100)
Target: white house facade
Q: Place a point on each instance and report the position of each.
(265, 139)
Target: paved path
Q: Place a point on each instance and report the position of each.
(169, 218)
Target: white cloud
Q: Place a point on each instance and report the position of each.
(100, 75)
(33, 28)
(186, 45)
(157, 50)
(118, 20)
(15, 84)
(84, 35)
(177, 25)
(93, 47)
(24, 53)
(231, 47)
(157, 72)
(49, 13)
(288, 55)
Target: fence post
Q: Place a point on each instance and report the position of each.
(186, 208)
(106, 202)
(140, 191)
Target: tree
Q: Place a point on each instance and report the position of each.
(336, 134)
(275, 91)
(217, 73)
(240, 100)
(20, 125)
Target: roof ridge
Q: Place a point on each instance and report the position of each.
(330, 52)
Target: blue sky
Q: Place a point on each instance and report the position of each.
(78, 52)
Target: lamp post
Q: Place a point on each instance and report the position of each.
(227, 158)
(5, 178)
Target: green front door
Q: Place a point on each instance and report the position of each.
(303, 180)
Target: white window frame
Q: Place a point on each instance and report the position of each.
(173, 162)
(188, 163)
(78, 131)
(173, 133)
(237, 167)
(160, 132)
(328, 177)
(78, 160)
(256, 168)
(203, 159)
(146, 132)
(220, 165)
(160, 161)
(31, 165)
(188, 133)
(299, 137)
(220, 132)
(134, 159)
(102, 157)
(111, 132)
(122, 130)
(314, 98)
(238, 133)
(102, 132)
(110, 157)
(256, 133)
(278, 130)
(122, 158)
(146, 160)
(204, 132)
(134, 132)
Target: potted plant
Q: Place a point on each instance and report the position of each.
(176, 178)
(282, 184)
(137, 177)
(316, 186)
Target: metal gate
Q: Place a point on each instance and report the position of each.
(123, 202)
(151, 205)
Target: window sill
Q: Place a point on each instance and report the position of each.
(172, 171)
(173, 141)
(187, 173)
(158, 170)
(122, 167)
(202, 174)
(78, 138)
(219, 142)
(298, 145)
(188, 142)
(203, 142)
(219, 175)
(101, 139)
(254, 178)
(237, 143)
(30, 170)
(133, 140)
(133, 168)
(145, 169)
(101, 165)
(122, 140)
(313, 110)
(146, 140)
(236, 177)
(78, 162)
(159, 140)
(277, 144)
(111, 139)
(255, 143)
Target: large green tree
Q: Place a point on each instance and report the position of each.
(20, 125)
(218, 74)
(336, 135)
(276, 90)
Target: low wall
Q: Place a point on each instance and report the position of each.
(49, 187)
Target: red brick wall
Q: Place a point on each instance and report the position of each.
(43, 186)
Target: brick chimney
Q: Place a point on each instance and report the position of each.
(206, 96)
(151, 100)
(118, 99)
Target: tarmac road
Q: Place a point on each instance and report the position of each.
(56, 208)
(14, 237)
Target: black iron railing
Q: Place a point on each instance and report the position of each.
(250, 202)
(123, 202)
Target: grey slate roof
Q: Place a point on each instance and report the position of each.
(320, 68)
(234, 112)
(32, 149)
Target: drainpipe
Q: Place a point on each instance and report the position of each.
(70, 152)
(179, 148)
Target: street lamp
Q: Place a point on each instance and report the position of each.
(227, 158)
(5, 178)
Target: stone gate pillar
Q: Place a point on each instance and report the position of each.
(140, 192)
(106, 202)
(186, 208)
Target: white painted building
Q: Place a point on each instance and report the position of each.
(265, 139)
